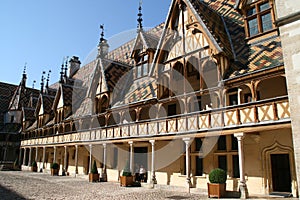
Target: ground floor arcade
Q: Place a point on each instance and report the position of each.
(258, 162)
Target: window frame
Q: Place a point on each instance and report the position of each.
(258, 16)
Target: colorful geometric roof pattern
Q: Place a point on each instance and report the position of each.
(247, 57)
(6, 93)
(138, 90)
(216, 27)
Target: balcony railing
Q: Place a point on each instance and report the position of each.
(263, 112)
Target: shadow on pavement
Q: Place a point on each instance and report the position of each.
(8, 194)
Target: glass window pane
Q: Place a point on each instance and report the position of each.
(222, 142)
(199, 166)
(222, 161)
(145, 69)
(235, 165)
(266, 22)
(253, 27)
(264, 6)
(198, 142)
(139, 72)
(251, 11)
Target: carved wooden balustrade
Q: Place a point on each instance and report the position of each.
(264, 112)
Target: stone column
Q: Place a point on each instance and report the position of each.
(153, 180)
(65, 158)
(36, 154)
(44, 157)
(24, 158)
(29, 159)
(54, 154)
(91, 151)
(131, 156)
(20, 155)
(76, 159)
(104, 175)
(187, 142)
(242, 185)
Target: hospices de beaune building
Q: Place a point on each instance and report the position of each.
(207, 88)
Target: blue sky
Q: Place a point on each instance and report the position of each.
(42, 33)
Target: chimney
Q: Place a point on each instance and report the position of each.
(74, 66)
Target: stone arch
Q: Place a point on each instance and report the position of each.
(210, 74)
(277, 148)
(267, 89)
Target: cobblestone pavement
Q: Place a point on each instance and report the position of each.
(28, 185)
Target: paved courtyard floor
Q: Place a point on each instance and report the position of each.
(28, 185)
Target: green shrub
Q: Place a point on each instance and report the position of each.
(34, 164)
(126, 171)
(94, 168)
(217, 176)
(54, 166)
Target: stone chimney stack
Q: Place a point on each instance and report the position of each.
(74, 66)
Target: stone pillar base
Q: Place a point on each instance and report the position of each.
(244, 191)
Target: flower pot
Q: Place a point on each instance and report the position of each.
(216, 190)
(93, 177)
(126, 181)
(54, 172)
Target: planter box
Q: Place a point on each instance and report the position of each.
(93, 177)
(54, 172)
(126, 181)
(216, 190)
(34, 169)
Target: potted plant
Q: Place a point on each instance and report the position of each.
(126, 179)
(54, 169)
(34, 166)
(94, 175)
(217, 185)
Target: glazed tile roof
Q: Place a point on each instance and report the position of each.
(138, 90)
(247, 57)
(6, 93)
(216, 27)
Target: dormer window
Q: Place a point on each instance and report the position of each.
(259, 18)
(142, 67)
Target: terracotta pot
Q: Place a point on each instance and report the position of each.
(126, 181)
(93, 177)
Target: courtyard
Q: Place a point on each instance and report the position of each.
(28, 185)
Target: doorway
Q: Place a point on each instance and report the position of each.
(281, 174)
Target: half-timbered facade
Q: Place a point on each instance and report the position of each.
(204, 89)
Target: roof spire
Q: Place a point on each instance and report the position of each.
(62, 72)
(24, 76)
(66, 65)
(140, 19)
(103, 47)
(42, 81)
(33, 83)
(102, 33)
(48, 79)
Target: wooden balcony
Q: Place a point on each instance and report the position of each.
(267, 112)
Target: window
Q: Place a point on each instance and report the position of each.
(171, 109)
(115, 161)
(227, 155)
(259, 18)
(222, 142)
(222, 162)
(198, 143)
(199, 166)
(235, 166)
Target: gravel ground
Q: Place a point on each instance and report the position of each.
(28, 185)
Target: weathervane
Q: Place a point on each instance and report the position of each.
(102, 33)
(140, 14)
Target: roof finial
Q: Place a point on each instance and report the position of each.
(62, 72)
(102, 32)
(48, 79)
(140, 19)
(33, 83)
(66, 65)
(24, 70)
(42, 81)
